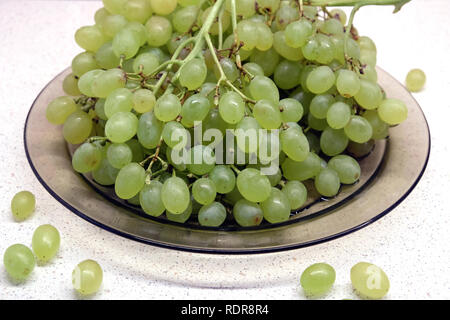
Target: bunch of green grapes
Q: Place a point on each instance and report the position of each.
(153, 71)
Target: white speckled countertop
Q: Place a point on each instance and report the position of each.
(411, 243)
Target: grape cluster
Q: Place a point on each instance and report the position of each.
(153, 71)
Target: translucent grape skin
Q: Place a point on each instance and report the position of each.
(231, 107)
(121, 127)
(149, 130)
(87, 277)
(19, 261)
(358, 129)
(86, 158)
(327, 182)
(320, 80)
(317, 279)
(415, 80)
(204, 191)
(150, 199)
(59, 109)
(23, 205)
(253, 186)
(338, 115)
(264, 88)
(296, 193)
(294, 143)
(212, 215)
(347, 168)
(70, 85)
(119, 155)
(369, 281)
(247, 214)
(393, 111)
(167, 107)
(175, 195)
(193, 74)
(333, 142)
(276, 207)
(303, 170)
(46, 242)
(267, 114)
(130, 181)
(223, 178)
(143, 100)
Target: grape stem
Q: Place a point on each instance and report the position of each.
(350, 3)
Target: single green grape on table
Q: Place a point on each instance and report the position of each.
(87, 277)
(22, 205)
(317, 279)
(369, 280)
(415, 80)
(19, 261)
(167, 99)
(45, 243)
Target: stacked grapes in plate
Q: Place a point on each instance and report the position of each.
(226, 107)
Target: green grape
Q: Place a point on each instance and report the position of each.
(234, 196)
(114, 6)
(224, 18)
(369, 74)
(291, 110)
(353, 51)
(59, 109)
(204, 191)
(86, 80)
(70, 85)
(380, 129)
(247, 214)
(296, 193)
(229, 68)
(339, 14)
(338, 115)
(136, 149)
(143, 100)
(100, 16)
(167, 107)
(284, 50)
(180, 163)
(19, 261)
(77, 128)
(317, 124)
(212, 215)
(182, 217)
(119, 100)
(358, 129)
(346, 167)
(195, 108)
(149, 130)
(317, 279)
(267, 60)
(253, 185)
(193, 74)
(127, 66)
(319, 48)
(105, 174)
(86, 158)
(22, 205)
(106, 58)
(333, 142)
(287, 74)
(303, 170)
(314, 142)
(246, 133)
(369, 281)
(285, 15)
(246, 31)
(90, 38)
(130, 181)
(175, 195)
(163, 7)
(107, 82)
(150, 199)
(145, 62)
(332, 27)
(276, 207)
(267, 114)
(121, 127)
(348, 83)
(175, 135)
(393, 111)
(254, 69)
(202, 160)
(45, 243)
(112, 24)
(369, 95)
(320, 80)
(223, 178)
(137, 10)
(264, 36)
(87, 277)
(360, 150)
(175, 41)
(368, 57)
(272, 5)
(304, 76)
(365, 43)
(297, 33)
(100, 109)
(140, 31)
(264, 88)
(415, 80)
(184, 18)
(327, 182)
(320, 105)
(304, 97)
(126, 43)
(275, 178)
(244, 8)
(231, 107)
(119, 155)
(294, 143)
(159, 31)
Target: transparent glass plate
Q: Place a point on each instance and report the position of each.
(389, 173)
